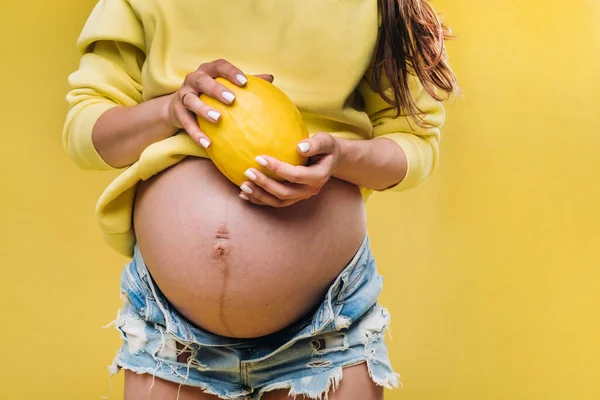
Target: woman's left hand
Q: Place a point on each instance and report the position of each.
(324, 154)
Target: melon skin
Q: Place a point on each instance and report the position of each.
(262, 120)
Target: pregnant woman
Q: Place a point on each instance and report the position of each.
(268, 290)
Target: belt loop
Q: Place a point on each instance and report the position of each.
(324, 316)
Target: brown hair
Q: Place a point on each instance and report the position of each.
(411, 41)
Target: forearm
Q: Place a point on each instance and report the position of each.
(376, 164)
(122, 133)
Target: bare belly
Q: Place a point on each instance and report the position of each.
(237, 269)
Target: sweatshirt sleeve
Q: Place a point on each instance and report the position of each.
(419, 144)
(112, 49)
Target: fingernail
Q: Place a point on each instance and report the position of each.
(243, 196)
(228, 96)
(250, 174)
(205, 143)
(261, 161)
(246, 188)
(241, 79)
(304, 147)
(214, 115)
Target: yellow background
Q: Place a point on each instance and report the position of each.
(491, 269)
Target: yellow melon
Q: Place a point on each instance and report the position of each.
(262, 120)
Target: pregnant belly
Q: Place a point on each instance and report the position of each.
(238, 269)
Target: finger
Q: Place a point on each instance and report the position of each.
(193, 103)
(225, 69)
(314, 175)
(253, 191)
(250, 199)
(190, 124)
(204, 83)
(266, 77)
(319, 143)
(283, 191)
(245, 197)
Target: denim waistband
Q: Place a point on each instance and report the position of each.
(316, 323)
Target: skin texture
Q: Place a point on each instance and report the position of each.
(239, 269)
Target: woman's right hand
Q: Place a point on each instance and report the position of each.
(185, 104)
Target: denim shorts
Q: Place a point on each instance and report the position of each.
(307, 357)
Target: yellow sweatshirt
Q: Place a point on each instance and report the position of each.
(318, 50)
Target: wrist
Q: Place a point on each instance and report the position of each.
(166, 115)
(350, 154)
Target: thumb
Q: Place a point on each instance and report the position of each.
(266, 77)
(319, 143)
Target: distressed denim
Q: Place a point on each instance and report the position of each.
(307, 357)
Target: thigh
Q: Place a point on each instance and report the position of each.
(141, 387)
(355, 385)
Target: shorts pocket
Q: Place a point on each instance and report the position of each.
(134, 289)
